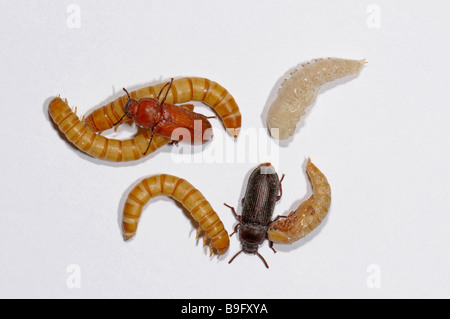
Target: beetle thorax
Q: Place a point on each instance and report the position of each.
(148, 113)
(252, 235)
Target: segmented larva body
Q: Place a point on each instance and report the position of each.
(309, 215)
(181, 91)
(97, 145)
(299, 91)
(186, 194)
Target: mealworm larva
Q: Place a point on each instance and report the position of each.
(182, 90)
(298, 92)
(309, 215)
(97, 145)
(183, 192)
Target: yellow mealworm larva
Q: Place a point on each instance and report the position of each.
(97, 145)
(299, 91)
(309, 215)
(186, 194)
(182, 90)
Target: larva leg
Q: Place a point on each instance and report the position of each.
(183, 192)
(182, 91)
(96, 145)
(300, 90)
(309, 215)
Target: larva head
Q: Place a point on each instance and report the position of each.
(221, 250)
(279, 235)
(217, 233)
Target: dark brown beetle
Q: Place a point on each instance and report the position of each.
(263, 191)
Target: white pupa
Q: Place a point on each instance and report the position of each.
(298, 92)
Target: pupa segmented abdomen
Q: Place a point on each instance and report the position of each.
(299, 91)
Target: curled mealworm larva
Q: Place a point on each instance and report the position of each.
(299, 91)
(96, 145)
(309, 215)
(182, 90)
(183, 192)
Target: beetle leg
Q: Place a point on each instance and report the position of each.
(281, 190)
(279, 217)
(238, 217)
(271, 246)
(149, 143)
(235, 229)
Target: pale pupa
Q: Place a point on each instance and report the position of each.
(299, 91)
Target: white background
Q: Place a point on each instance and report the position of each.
(381, 138)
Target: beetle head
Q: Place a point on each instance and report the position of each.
(131, 108)
(132, 105)
(249, 248)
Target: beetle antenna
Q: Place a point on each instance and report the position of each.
(162, 89)
(129, 97)
(170, 85)
(262, 258)
(235, 256)
(120, 120)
